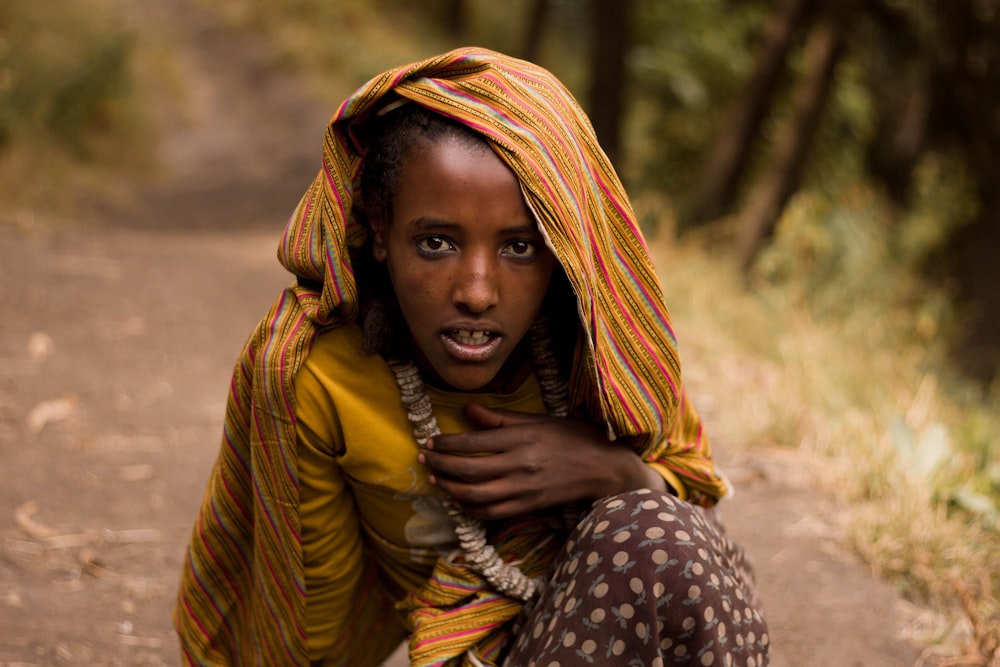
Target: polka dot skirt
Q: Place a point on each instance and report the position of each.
(645, 579)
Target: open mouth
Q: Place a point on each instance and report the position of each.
(472, 346)
(470, 337)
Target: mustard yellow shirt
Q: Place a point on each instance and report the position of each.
(363, 494)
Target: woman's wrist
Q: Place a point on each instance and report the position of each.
(631, 473)
(650, 479)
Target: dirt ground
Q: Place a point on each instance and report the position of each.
(117, 342)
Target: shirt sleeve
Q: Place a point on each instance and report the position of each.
(331, 537)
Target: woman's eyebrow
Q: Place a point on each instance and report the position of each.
(530, 228)
(428, 223)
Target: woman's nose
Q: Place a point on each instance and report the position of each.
(476, 287)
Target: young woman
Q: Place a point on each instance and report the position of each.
(464, 421)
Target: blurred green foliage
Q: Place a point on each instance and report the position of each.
(690, 58)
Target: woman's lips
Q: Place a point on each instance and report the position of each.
(470, 345)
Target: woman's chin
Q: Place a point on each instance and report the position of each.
(499, 375)
(472, 382)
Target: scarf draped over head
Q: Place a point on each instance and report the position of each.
(242, 593)
(630, 375)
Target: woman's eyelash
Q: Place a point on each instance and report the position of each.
(527, 248)
(434, 243)
(519, 248)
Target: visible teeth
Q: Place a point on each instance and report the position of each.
(469, 337)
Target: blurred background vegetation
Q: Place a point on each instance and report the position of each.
(816, 177)
(70, 116)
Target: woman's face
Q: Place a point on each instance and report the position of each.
(466, 260)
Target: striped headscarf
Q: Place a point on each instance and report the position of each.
(242, 596)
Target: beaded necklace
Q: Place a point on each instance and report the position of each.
(506, 578)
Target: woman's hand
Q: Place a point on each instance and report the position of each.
(522, 462)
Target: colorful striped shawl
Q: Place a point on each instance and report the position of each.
(242, 596)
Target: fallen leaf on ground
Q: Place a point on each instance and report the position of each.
(48, 412)
(70, 541)
(22, 517)
(40, 346)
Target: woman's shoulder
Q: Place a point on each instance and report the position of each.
(342, 343)
(337, 358)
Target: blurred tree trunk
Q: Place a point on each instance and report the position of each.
(966, 97)
(609, 47)
(717, 185)
(456, 20)
(537, 18)
(975, 279)
(902, 97)
(781, 179)
(902, 113)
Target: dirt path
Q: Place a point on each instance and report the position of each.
(115, 353)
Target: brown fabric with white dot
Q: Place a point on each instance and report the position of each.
(645, 579)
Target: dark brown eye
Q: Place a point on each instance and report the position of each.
(434, 244)
(521, 249)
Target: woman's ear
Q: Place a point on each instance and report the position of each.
(378, 243)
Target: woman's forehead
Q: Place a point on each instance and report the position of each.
(459, 183)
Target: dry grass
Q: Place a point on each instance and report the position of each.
(847, 364)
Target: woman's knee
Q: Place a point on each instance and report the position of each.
(642, 520)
